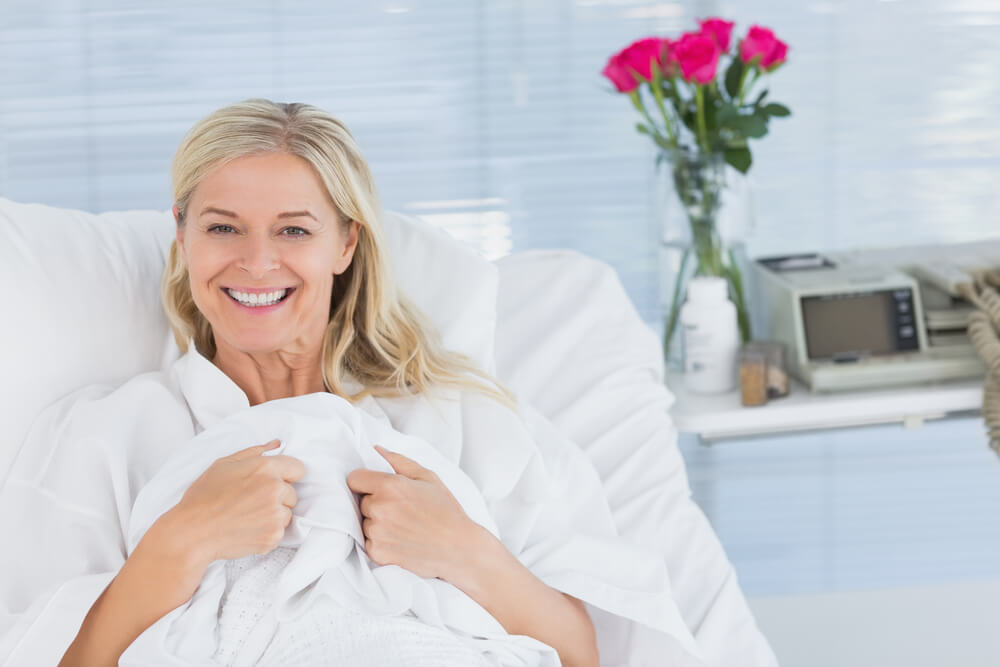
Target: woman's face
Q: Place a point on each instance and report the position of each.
(263, 245)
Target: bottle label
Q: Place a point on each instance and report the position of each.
(710, 356)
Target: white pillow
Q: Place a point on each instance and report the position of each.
(449, 280)
(83, 300)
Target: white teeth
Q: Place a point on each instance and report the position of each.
(257, 299)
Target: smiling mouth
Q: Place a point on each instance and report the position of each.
(252, 302)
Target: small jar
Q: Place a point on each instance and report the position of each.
(777, 375)
(753, 375)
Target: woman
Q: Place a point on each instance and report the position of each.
(278, 277)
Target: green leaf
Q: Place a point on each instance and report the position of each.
(727, 113)
(754, 126)
(739, 158)
(760, 98)
(775, 109)
(734, 140)
(733, 75)
(662, 142)
(642, 129)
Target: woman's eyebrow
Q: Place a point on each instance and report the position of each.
(230, 214)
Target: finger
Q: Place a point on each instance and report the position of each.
(256, 450)
(288, 496)
(403, 465)
(366, 505)
(364, 480)
(289, 468)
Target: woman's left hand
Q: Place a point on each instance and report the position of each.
(410, 518)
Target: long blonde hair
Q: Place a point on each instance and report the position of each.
(375, 333)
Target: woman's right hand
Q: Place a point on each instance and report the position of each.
(242, 503)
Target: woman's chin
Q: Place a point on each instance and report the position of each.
(256, 344)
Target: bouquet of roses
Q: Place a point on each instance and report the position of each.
(705, 111)
(696, 101)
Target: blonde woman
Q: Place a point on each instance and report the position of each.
(278, 276)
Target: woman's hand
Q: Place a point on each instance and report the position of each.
(410, 518)
(242, 503)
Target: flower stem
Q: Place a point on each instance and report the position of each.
(744, 91)
(658, 96)
(675, 302)
(637, 103)
(702, 131)
(743, 80)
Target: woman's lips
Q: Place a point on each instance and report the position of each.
(263, 309)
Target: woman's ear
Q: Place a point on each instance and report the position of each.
(350, 246)
(180, 229)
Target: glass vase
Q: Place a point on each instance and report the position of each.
(707, 214)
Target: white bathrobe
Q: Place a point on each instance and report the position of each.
(101, 465)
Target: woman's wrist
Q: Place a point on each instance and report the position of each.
(480, 557)
(174, 536)
(161, 573)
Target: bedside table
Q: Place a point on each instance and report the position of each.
(721, 416)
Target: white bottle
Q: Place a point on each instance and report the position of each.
(711, 336)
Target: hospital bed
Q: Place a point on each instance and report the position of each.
(82, 306)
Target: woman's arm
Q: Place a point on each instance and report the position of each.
(240, 505)
(524, 605)
(412, 520)
(161, 574)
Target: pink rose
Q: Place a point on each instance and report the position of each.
(760, 46)
(697, 55)
(668, 63)
(719, 30)
(641, 55)
(619, 74)
(637, 57)
(776, 57)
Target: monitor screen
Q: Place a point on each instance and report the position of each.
(860, 324)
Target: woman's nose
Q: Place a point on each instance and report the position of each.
(260, 256)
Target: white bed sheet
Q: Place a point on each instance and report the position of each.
(570, 343)
(104, 486)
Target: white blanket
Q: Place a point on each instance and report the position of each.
(521, 480)
(332, 438)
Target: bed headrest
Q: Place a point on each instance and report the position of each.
(83, 300)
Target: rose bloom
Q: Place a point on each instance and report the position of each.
(698, 57)
(719, 30)
(761, 43)
(637, 57)
(619, 75)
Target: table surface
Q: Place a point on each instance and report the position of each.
(721, 416)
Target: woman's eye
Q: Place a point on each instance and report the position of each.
(288, 231)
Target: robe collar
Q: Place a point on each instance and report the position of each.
(211, 395)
